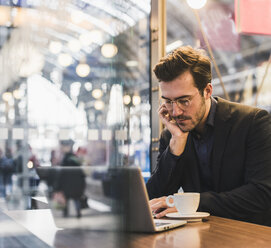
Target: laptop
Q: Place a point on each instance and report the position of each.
(138, 213)
(117, 199)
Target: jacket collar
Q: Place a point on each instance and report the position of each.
(222, 128)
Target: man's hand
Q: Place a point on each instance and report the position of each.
(179, 138)
(160, 208)
(168, 121)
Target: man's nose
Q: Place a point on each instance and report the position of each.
(176, 111)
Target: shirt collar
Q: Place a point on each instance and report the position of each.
(209, 122)
(211, 116)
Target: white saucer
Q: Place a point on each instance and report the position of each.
(197, 215)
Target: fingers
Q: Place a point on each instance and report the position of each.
(160, 208)
(166, 211)
(155, 200)
(157, 206)
(163, 111)
(164, 115)
(158, 203)
(166, 118)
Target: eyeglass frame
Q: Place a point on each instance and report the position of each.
(177, 101)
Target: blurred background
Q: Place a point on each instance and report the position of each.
(74, 79)
(76, 86)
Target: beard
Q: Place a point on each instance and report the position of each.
(188, 123)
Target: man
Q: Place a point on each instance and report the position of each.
(70, 184)
(212, 146)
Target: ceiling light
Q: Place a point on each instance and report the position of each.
(99, 105)
(18, 94)
(196, 4)
(7, 96)
(30, 164)
(82, 70)
(55, 47)
(97, 93)
(64, 59)
(74, 45)
(126, 99)
(109, 50)
(136, 100)
(88, 86)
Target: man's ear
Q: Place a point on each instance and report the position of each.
(208, 91)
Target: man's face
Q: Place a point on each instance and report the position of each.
(193, 112)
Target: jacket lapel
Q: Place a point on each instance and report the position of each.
(193, 165)
(222, 128)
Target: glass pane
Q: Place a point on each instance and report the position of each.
(74, 88)
(239, 39)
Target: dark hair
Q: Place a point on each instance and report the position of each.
(68, 142)
(185, 59)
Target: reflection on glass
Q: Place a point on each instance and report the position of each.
(242, 57)
(115, 115)
(64, 71)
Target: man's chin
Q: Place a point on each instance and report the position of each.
(185, 128)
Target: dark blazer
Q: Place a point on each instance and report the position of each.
(241, 166)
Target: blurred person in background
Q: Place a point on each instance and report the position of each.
(6, 171)
(70, 184)
(69, 157)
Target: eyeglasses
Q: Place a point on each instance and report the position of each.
(182, 103)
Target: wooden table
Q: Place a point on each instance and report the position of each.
(214, 232)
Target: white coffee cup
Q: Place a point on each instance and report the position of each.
(186, 203)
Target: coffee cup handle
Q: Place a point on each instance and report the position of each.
(171, 205)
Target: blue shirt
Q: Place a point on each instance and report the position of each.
(204, 146)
